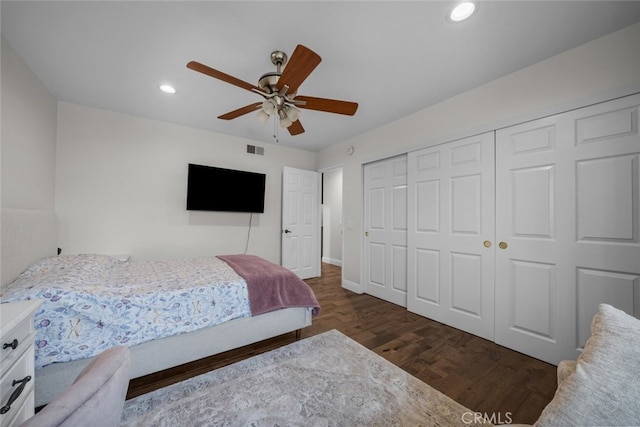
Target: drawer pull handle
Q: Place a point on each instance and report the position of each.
(16, 393)
(13, 344)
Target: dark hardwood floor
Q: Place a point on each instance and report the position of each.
(477, 373)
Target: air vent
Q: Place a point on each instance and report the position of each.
(253, 149)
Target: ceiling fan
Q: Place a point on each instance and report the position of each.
(280, 90)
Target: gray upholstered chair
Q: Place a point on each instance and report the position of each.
(96, 398)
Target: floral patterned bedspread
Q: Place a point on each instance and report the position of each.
(92, 302)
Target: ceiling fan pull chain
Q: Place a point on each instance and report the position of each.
(275, 127)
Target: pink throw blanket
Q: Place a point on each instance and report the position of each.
(270, 286)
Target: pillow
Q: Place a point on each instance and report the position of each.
(604, 389)
(95, 399)
(565, 369)
(65, 272)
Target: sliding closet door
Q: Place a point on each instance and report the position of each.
(451, 230)
(385, 229)
(568, 224)
(534, 216)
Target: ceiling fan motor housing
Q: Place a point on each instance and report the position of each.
(268, 82)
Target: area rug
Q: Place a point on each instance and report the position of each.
(324, 380)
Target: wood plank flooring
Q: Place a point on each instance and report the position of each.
(477, 373)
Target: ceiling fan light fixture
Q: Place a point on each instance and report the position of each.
(285, 121)
(462, 11)
(269, 107)
(293, 113)
(262, 116)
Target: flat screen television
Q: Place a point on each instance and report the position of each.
(216, 189)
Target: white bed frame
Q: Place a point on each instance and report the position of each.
(164, 353)
(29, 235)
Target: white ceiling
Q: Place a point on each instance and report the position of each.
(393, 58)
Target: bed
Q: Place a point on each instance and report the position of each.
(100, 288)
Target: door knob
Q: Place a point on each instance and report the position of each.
(286, 231)
(486, 244)
(502, 245)
(366, 233)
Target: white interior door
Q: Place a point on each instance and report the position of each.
(451, 231)
(301, 222)
(568, 217)
(385, 229)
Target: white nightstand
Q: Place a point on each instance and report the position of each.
(17, 361)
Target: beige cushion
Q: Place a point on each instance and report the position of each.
(565, 369)
(604, 389)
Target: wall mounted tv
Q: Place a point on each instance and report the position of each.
(216, 189)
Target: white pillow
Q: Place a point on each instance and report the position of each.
(605, 387)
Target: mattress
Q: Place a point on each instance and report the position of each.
(92, 302)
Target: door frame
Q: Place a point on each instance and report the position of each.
(321, 172)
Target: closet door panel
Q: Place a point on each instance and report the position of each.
(426, 272)
(451, 214)
(607, 199)
(376, 271)
(385, 226)
(596, 179)
(567, 202)
(425, 239)
(466, 205)
(532, 284)
(534, 217)
(597, 286)
(466, 284)
(400, 269)
(532, 196)
(428, 206)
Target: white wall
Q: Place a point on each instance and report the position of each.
(121, 188)
(27, 172)
(603, 68)
(28, 136)
(332, 216)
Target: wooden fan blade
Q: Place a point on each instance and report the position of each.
(201, 68)
(327, 105)
(296, 128)
(302, 62)
(241, 111)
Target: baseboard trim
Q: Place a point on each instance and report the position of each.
(336, 262)
(352, 286)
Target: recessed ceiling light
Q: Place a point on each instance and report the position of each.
(167, 89)
(462, 11)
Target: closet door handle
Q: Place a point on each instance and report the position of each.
(502, 245)
(486, 244)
